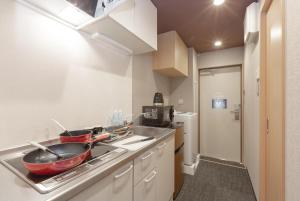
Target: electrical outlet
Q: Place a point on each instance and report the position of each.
(180, 101)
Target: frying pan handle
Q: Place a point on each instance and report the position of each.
(38, 145)
(44, 148)
(100, 137)
(59, 124)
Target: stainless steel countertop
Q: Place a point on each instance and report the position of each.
(13, 188)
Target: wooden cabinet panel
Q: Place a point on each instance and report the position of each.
(181, 55)
(171, 59)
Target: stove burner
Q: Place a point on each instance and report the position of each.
(100, 154)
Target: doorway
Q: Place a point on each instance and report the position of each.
(220, 114)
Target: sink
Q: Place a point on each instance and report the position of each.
(149, 131)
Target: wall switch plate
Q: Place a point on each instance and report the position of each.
(257, 74)
(180, 101)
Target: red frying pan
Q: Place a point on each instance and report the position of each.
(42, 162)
(83, 136)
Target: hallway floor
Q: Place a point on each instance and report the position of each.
(216, 182)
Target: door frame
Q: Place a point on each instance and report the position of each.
(242, 106)
(265, 5)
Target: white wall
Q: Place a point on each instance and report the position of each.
(49, 70)
(145, 82)
(218, 58)
(292, 124)
(251, 113)
(186, 88)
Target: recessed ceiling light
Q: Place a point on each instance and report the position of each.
(218, 2)
(218, 43)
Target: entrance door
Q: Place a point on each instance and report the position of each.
(220, 113)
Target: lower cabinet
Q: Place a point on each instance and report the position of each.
(115, 187)
(165, 169)
(156, 180)
(149, 178)
(145, 190)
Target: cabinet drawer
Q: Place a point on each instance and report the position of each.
(114, 187)
(146, 189)
(143, 165)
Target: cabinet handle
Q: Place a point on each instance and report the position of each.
(145, 157)
(162, 146)
(124, 173)
(151, 178)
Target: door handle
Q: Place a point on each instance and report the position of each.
(236, 114)
(145, 157)
(162, 146)
(124, 173)
(151, 178)
(268, 125)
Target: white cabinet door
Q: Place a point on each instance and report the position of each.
(122, 184)
(146, 189)
(115, 187)
(165, 169)
(96, 192)
(143, 164)
(139, 17)
(145, 21)
(124, 14)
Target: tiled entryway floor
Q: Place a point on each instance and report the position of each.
(217, 182)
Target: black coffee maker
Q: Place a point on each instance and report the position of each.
(158, 99)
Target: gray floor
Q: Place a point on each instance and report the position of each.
(215, 182)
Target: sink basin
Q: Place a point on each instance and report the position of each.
(148, 131)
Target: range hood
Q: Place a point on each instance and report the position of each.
(61, 10)
(88, 6)
(73, 12)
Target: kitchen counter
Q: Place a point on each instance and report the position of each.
(14, 188)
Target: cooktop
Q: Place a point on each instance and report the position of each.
(100, 154)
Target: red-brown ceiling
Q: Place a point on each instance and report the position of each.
(200, 23)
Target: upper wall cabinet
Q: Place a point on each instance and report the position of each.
(131, 24)
(171, 59)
